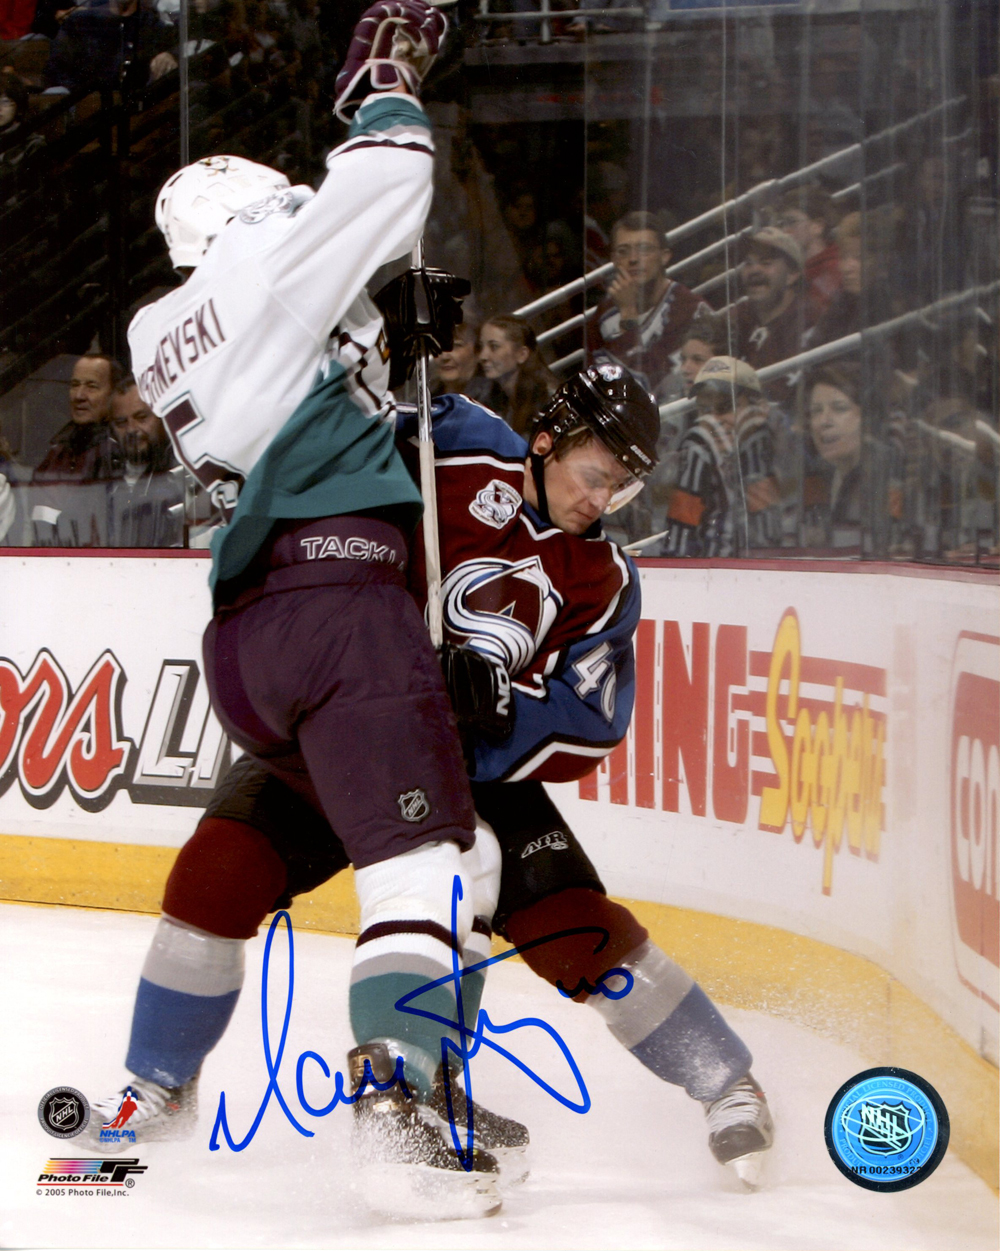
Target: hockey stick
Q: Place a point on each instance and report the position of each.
(428, 486)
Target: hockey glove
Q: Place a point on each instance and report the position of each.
(421, 309)
(479, 690)
(394, 45)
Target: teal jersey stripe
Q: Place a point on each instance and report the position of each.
(328, 459)
(386, 112)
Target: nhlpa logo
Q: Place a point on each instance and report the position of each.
(555, 841)
(414, 805)
(496, 504)
(126, 1106)
(504, 608)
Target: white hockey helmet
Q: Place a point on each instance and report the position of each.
(195, 204)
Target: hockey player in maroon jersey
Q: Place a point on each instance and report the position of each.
(549, 606)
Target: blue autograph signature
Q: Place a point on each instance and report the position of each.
(468, 1045)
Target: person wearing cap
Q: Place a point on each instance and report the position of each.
(726, 501)
(641, 321)
(772, 319)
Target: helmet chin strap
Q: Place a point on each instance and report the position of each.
(538, 477)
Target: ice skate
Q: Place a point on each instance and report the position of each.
(740, 1130)
(500, 1136)
(142, 1112)
(407, 1166)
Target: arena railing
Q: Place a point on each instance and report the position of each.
(544, 15)
(754, 198)
(700, 257)
(846, 345)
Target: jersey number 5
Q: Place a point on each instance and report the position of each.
(222, 482)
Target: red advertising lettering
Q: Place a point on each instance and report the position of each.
(51, 736)
(722, 724)
(975, 807)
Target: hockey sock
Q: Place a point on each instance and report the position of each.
(574, 962)
(481, 865)
(666, 1020)
(407, 942)
(226, 879)
(187, 992)
(671, 1026)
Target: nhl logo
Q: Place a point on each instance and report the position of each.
(884, 1128)
(63, 1112)
(414, 806)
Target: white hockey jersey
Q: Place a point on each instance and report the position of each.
(269, 365)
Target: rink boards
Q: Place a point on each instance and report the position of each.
(805, 808)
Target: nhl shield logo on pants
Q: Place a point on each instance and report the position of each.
(414, 805)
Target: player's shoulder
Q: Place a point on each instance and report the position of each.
(150, 320)
(590, 566)
(463, 426)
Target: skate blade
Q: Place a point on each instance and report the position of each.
(750, 1169)
(417, 1192)
(514, 1165)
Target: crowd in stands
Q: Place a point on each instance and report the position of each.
(109, 477)
(889, 449)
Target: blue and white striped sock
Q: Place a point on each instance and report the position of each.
(671, 1026)
(189, 986)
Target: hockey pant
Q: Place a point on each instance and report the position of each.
(229, 876)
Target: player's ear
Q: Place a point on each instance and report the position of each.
(542, 444)
(522, 355)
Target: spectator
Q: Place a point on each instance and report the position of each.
(521, 382)
(146, 505)
(857, 478)
(954, 452)
(521, 218)
(843, 314)
(643, 317)
(69, 490)
(865, 297)
(8, 506)
(16, 17)
(457, 372)
(111, 44)
(707, 336)
(809, 215)
(770, 323)
(83, 450)
(16, 139)
(726, 498)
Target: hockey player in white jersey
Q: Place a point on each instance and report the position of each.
(269, 368)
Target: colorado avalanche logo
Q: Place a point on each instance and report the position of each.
(504, 608)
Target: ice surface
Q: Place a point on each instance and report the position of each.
(634, 1172)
